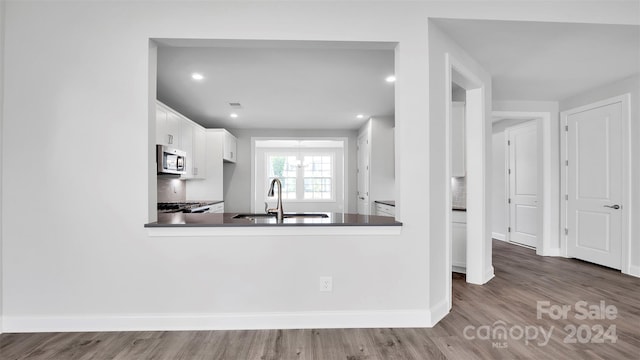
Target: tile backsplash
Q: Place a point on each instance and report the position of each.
(459, 192)
(171, 190)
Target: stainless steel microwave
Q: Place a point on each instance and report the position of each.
(171, 161)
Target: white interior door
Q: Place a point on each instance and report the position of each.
(523, 184)
(594, 185)
(363, 175)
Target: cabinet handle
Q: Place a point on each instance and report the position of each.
(232, 154)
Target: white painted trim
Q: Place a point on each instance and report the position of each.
(498, 236)
(225, 321)
(438, 312)
(634, 270)
(448, 254)
(507, 188)
(478, 216)
(189, 231)
(459, 268)
(489, 274)
(476, 160)
(625, 100)
(551, 252)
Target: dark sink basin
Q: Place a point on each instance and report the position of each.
(286, 216)
(252, 216)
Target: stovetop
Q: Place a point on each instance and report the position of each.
(171, 207)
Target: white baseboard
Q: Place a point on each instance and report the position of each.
(488, 274)
(438, 312)
(238, 321)
(550, 252)
(634, 270)
(462, 269)
(499, 236)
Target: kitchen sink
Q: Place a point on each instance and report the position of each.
(286, 216)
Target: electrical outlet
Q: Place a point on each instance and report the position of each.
(326, 283)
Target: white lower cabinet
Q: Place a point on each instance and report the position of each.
(459, 241)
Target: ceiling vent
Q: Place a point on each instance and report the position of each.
(235, 105)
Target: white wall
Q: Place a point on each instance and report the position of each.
(2, 14)
(81, 94)
(499, 185)
(629, 85)
(237, 177)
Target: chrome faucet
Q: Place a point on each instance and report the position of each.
(278, 210)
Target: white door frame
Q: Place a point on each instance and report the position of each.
(625, 100)
(540, 178)
(478, 220)
(367, 181)
(548, 228)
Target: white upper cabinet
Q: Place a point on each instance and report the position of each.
(458, 140)
(162, 137)
(168, 127)
(176, 131)
(230, 147)
(187, 146)
(199, 152)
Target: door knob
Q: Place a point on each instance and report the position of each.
(361, 198)
(615, 207)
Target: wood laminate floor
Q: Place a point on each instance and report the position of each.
(509, 300)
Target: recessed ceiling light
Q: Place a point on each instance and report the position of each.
(197, 76)
(234, 115)
(360, 116)
(390, 79)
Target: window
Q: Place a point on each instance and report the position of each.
(312, 172)
(305, 175)
(285, 168)
(318, 176)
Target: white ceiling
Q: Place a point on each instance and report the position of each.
(280, 84)
(547, 61)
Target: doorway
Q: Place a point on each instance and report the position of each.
(477, 241)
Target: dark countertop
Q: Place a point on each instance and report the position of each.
(459, 209)
(387, 202)
(227, 220)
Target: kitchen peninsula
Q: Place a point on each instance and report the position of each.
(211, 224)
(253, 220)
